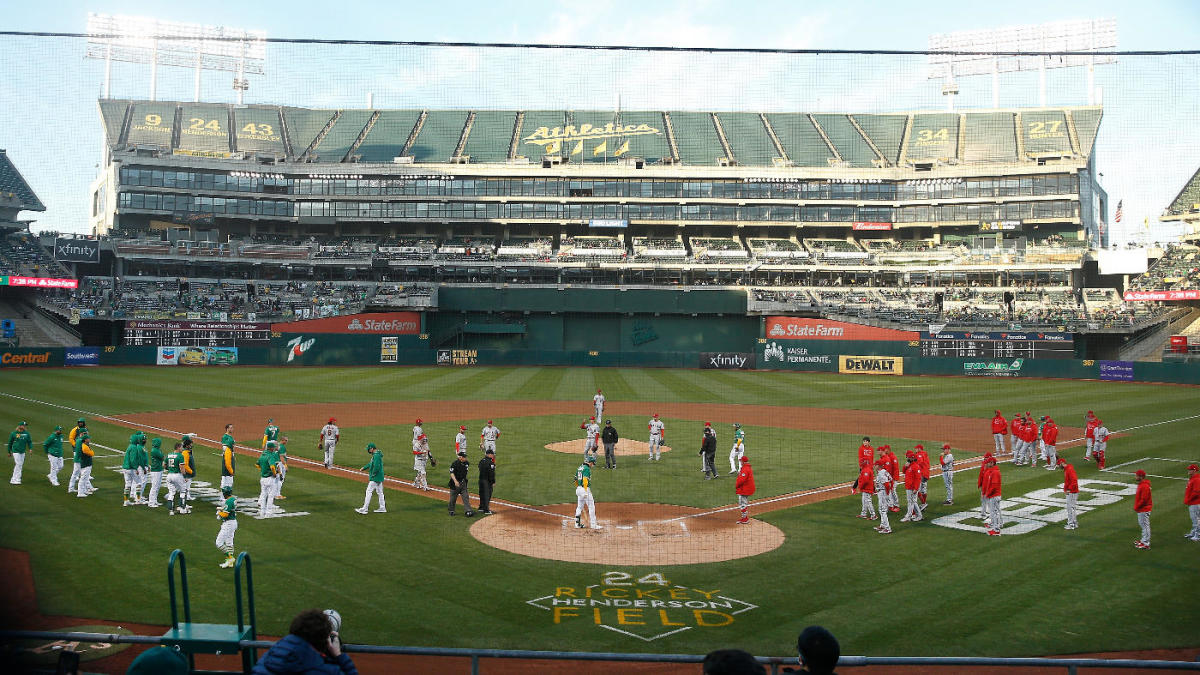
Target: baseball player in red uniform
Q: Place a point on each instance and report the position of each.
(866, 488)
(946, 459)
(1071, 490)
(893, 467)
(1030, 430)
(1143, 503)
(744, 488)
(1100, 446)
(923, 463)
(999, 428)
(1090, 422)
(983, 503)
(882, 480)
(1013, 437)
(1049, 442)
(866, 458)
(592, 431)
(912, 484)
(1191, 499)
(991, 491)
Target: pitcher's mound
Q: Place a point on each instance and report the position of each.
(624, 448)
(630, 534)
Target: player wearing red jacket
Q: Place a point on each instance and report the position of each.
(866, 458)
(1191, 498)
(866, 488)
(999, 428)
(893, 468)
(991, 492)
(1030, 430)
(1014, 439)
(1090, 422)
(1071, 490)
(1143, 503)
(1050, 440)
(983, 505)
(912, 484)
(923, 463)
(744, 488)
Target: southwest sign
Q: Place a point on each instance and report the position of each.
(388, 323)
(795, 328)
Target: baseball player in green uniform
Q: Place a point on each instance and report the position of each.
(282, 466)
(19, 442)
(227, 514)
(268, 464)
(129, 466)
(156, 472)
(84, 453)
(176, 487)
(227, 460)
(583, 493)
(374, 469)
(80, 427)
(738, 449)
(143, 469)
(53, 445)
(271, 433)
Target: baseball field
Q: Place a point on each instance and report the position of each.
(670, 571)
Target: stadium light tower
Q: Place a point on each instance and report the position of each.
(139, 39)
(1000, 50)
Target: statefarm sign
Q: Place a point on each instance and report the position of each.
(389, 323)
(39, 282)
(795, 328)
(1150, 296)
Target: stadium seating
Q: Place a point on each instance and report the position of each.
(1044, 133)
(491, 136)
(652, 147)
(850, 144)
(718, 250)
(388, 136)
(1188, 198)
(800, 139)
(1087, 125)
(696, 138)
(934, 137)
(886, 132)
(665, 249)
(204, 128)
(527, 249)
(439, 136)
(303, 126)
(112, 112)
(1179, 269)
(14, 191)
(22, 255)
(531, 122)
(341, 136)
(777, 251)
(259, 129)
(989, 137)
(748, 138)
(153, 124)
(599, 150)
(466, 248)
(592, 249)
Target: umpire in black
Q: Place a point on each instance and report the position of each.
(458, 483)
(487, 479)
(708, 448)
(608, 436)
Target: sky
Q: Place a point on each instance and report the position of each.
(1148, 148)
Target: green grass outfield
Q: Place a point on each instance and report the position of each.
(416, 577)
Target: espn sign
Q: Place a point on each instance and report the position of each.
(871, 365)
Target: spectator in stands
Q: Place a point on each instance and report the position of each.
(731, 662)
(818, 651)
(311, 646)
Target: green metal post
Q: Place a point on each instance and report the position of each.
(177, 554)
(249, 655)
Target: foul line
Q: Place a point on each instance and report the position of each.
(967, 464)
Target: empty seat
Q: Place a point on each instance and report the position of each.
(439, 136)
(386, 139)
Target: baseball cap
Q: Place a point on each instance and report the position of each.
(421, 437)
(1045, 417)
(462, 427)
(1193, 467)
(81, 421)
(919, 447)
(656, 414)
(489, 451)
(226, 489)
(745, 458)
(945, 446)
(910, 455)
(1061, 461)
(58, 428)
(608, 421)
(589, 460)
(159, 661)
(708, 424)
(489, 421)
(462, 453)
(1091, 413)
(23, 424)
(1139, 473)
(370, 445)
(593, 418)
(418, 421)
(998, 412)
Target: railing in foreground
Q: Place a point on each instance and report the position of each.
(774, 664)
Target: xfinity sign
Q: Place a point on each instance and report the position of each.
(726, 361)
(76, 250)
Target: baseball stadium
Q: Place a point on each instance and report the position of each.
(624, 382)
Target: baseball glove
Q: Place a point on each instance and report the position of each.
(481, 446)
(432, 460)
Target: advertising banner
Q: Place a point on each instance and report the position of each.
(872, 226)
(387, 323)
(26, 358)
(76, 250)
(38, 282)
(871, 365)
(796, 328)
(994, 368)
(457, 357)
(783, 355)
(389, 349)
(81, 356)
(727, 361)
(197, 356)
(167, 356)
(1119, 371)
(1154, 296)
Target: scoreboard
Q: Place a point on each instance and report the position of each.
(1000, 345)
(197, 334)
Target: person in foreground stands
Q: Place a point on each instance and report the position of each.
(731, 662)
(311, 646)
(818, 651)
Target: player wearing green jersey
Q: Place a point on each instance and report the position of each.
(271, 433)
(583, 493)
(129, 466)
(738, 449)
(53, 445)
(143, 469)
(156, 472)
(19, 442)
(282, 466)
(83, 451)
(227, 461)
(374, 469)
(227, 514)
(268, 464)
(175, 466)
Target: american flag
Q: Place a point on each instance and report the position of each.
(1120, 211)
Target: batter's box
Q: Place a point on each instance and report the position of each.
(663, 529)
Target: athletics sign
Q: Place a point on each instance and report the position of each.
(647, 608)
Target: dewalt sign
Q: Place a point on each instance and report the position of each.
(871, 365)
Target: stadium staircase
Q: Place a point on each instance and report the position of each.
(837, 157)
(1150, 345)
(34, 327)
(211, 638)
